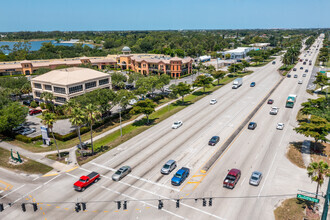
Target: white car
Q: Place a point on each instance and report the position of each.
(132, 102)
(28, 131)
(300, 82)
(213, 101)
(280, 126)
(177, 124)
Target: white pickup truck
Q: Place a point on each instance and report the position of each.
(274, 111)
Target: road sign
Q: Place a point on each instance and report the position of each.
(300, 196)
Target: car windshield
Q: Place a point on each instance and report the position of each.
(178, 175)
(213, 139)
(81, 180)
(254, 178)
(166, 166)
(176, 123)
(230, 177)
(118, 172)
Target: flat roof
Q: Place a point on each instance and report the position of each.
(69, 76)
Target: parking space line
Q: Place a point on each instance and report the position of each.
(136, 177)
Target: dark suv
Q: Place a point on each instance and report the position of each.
(214, 140)
(252, 125)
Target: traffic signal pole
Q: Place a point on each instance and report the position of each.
(326, 203)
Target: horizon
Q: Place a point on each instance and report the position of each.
(147, 15)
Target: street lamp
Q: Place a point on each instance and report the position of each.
(121, 131)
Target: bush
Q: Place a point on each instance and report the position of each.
(26, 139)
(33, 104)
(42, 105)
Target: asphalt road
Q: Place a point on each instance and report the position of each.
(262, 149)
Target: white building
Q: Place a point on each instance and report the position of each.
(70, 82)
(204, 58)
(238, 53)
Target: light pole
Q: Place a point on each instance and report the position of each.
(121, 131)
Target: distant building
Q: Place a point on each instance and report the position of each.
(260, 46)
(67, 83)
(146, 65)
(204, 58)
(238, 53)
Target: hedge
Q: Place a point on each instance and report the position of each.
(27, 139)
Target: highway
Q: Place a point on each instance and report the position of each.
(262, 149)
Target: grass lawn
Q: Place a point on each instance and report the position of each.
(55, 157)
(29, 166)
(294, 154)
(293, 209)
(322, 152)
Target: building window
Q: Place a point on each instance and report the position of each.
(37, 94)
(144, 65)
(60, 99)
(90, 85)
(37, 85)
(103, 81)
(75, 89)
(59, 90)
(48, 87)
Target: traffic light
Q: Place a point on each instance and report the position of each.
(160, 204)
(204, 202)
(23, 207)
(210, 202)
(35, 206)
(178, 203)
(125, 205)
(77, 208)
(83, 204)
(118, 204)
(1, 207)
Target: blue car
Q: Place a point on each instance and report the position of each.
(252, 84)
(180, 176)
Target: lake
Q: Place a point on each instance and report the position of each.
(36, 45)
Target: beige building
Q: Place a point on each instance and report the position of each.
(67, 83)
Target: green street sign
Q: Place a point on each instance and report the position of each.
(300, 196)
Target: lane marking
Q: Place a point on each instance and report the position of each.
(12, 191)
(72, 169)
(243, 181)
(8, 186)
(136, 177)
(52, 174)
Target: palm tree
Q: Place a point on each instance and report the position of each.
(92, 115)
(317, 171)
(70, 105)
(78, 119)
(49, 120)
(48, 97)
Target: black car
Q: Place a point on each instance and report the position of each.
(294, 69)
(27, 102)
(214, 140)
(301, 68)
(306, 70)
(252, 125)
(289, 76)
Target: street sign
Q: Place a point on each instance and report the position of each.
(300, 196)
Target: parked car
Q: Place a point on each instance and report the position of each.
(85, 181)
(280, 126)
(18, 128)
(177, 124)
(253, 84)
(214, 140)
(232, 178)
(252, 125)
(213, 101)
(34, 111)
(270, 101)
(121, 173)
(255, 178)
(168, 167)
(180, 176)
(27, 131)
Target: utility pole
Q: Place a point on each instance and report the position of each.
(326, 203)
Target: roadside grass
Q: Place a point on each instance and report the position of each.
(29, 166)
(321, 152)
(294, 154)
(292, 209)
(55, 157)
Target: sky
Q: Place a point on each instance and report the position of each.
(103, 15)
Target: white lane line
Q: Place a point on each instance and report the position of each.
(243, 181)
(36, 178)
(132, 198)
(136, 177)
(267, 174)
(12, 191)
(204, 212)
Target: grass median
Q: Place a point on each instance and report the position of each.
(28, 166)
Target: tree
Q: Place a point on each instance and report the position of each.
(245, 64)
(118, 79)
(235, 67)
(203, 81)
(218, 75)
(123, 97)
(321, 80)
(227, 56)
(317, 171)
(11, 115)
(133, 77)
(319, 107)
(49, 120)
(181, 89)
(105, 99)
(92, 115)
(145, 107)
(163, 80)
(318, 128)
(48, 98)
(78, 119)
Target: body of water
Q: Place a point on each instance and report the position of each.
(36, 45)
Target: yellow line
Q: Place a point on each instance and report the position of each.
(106, 211)
(57, 207)
(72, 169)
(95, 211)
(43, 213)
(52, 174)
(27, 198)
(125, 210)
(40, 208)
(187, 194)
(8, 186)
(193, 182)
(198, 175)
(116, 211)
(66, 208)
(48, 205)
(30, 196)
(147, 207)
(137, 209)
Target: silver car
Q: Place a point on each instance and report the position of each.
(168, 167)
(255, 178)
(121, 173)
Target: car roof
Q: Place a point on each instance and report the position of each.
(234, 172)
(252, 123)
(215, 137)
(256, 173)
(170, 162)
(124, 167)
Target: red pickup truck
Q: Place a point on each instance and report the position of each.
(85, 181)
(232, 178)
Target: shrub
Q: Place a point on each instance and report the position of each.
(26, 139)
(42, 105)
(33, 104)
